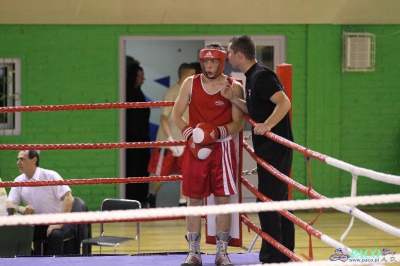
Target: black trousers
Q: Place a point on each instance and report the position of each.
(137, 161)
(55, 241)
(273, 223)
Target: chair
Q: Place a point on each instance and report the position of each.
(114, 241)
(82, 231)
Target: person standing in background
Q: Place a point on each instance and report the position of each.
(197, 67)
(168, 160)
(266, 102)
(137, 130)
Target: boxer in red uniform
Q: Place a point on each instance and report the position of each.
(212, 121)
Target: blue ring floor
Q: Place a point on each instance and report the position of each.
(164, 259)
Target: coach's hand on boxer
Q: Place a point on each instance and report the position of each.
(226, 91)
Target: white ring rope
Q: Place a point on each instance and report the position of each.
(355, 212)
(370, 220)
(104, 216)
(355, 171)
(391, 179)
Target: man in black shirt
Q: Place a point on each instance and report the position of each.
(267, 104)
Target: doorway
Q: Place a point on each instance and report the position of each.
(160, 57)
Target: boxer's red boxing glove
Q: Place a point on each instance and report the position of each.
(200, 151)
(206, 133)
(187, 132)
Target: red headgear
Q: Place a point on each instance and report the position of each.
(213, 54)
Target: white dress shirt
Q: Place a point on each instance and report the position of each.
(44, 199)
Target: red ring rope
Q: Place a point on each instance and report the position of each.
(90, 106)
(120, 180)
(92, 146)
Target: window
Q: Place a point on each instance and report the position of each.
(10, 95)
(358, 51)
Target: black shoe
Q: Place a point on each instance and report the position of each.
(151, 201)
(183, 204)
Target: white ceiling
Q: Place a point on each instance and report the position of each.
(199, 12)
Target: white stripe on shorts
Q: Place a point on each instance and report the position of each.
(227, 168)
(160, 161)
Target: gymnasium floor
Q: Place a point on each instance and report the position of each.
(163, 243)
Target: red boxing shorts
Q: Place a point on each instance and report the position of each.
(216, 174)
(163, 163)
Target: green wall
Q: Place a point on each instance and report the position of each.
(348, 116)
(323, 103)
(370, 110)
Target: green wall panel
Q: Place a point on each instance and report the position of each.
(370, 111)
(323, 102)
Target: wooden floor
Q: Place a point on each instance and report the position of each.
(168, 236)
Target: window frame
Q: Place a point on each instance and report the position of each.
(12, 97)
